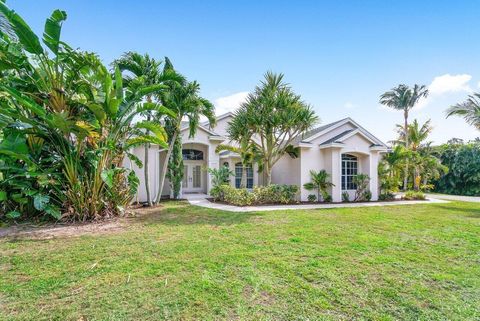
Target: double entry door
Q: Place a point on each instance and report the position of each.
(192, 178)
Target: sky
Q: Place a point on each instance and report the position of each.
(340, 56)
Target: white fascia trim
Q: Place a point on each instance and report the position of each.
(331, 145)
(379, 149)
(216, 138)
(201, 127)
(305, 145)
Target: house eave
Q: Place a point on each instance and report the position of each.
(331, 145)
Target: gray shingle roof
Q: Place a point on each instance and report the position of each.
(338, 137)
(316, 131)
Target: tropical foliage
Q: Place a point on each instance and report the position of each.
(183, 100)
(271, 119)
(220, 176)
(404, 98)
(66, 126)
(320, 182)
(469, 110)
(463, 161)
(271, 194)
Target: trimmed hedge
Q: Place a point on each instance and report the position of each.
(272, 194)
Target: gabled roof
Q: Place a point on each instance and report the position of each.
(338, 138)
(329, 127)
(220, 117)
(315, 131)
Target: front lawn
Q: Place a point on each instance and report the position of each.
(414, 262)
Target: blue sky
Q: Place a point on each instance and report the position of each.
(338, 55)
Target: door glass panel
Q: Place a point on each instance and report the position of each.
(185, 177)
(196, 176)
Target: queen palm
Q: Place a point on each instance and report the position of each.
(469, 110)
(183, 99)
(404, 98)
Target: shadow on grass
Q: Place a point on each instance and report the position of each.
(458, 208)
(182, 213)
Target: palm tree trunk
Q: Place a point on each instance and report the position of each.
(318, 194)
(163, 174)
(145, 170)
(145, 174)
(405, 178)
(268, 172)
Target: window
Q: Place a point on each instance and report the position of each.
(238, 175)
(349, 171)
(192, 154)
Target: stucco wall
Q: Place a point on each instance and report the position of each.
(286, 171)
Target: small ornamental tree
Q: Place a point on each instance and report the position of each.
(273, 116)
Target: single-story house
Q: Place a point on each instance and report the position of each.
(342, 148)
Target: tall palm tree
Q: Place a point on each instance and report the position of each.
(469, 110)
(183, 99)
(404, 98)
(143, 70)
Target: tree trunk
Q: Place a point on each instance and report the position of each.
(165, 167)
(145, 170)
(318, 195)
(268, 172)
(405, 178)
(243, 181)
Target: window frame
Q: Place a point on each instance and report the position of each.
(239, 172)
(349, 171)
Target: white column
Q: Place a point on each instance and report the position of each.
(373, 169)
(336, 174)
(255, 174)
(212, 162)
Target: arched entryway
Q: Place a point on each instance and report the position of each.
(194, 168)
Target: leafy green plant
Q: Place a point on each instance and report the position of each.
(414, 195)
(386, 197)
(362, 193)
(319, 182)
(312, 198)
(345, 197)
(220, 177)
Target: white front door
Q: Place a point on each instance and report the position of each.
(192, 178)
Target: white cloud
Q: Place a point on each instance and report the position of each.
(349, 105)
(229, 103)
(446, 84)
(449, 84)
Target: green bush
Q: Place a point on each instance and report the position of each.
(345, 197)
(272, 194)
(312, 198)
(414, 195)
(237, 196)
(386, 196)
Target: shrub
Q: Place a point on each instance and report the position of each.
(220, 178)
(345, 197)
(386, 196)
(362, 193)
(327, 198)
(312, 198)
(237, 196)
(271, 194)
(414, 195)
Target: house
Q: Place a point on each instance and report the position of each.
(342, 148)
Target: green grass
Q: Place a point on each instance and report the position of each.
(415, 262)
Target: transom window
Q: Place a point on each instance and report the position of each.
(192, 154)
(239, 172)
(349, 171)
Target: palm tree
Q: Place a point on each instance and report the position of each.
(144, 70)
(469, 110)
(319, 182)
(183, 99)
(248, 154)
(275, 116)
(404, 98)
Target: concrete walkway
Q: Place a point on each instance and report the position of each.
(200, 200)
(474, 199)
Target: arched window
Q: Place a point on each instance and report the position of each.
(239, 172)
(192, 154)
(349, 171)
